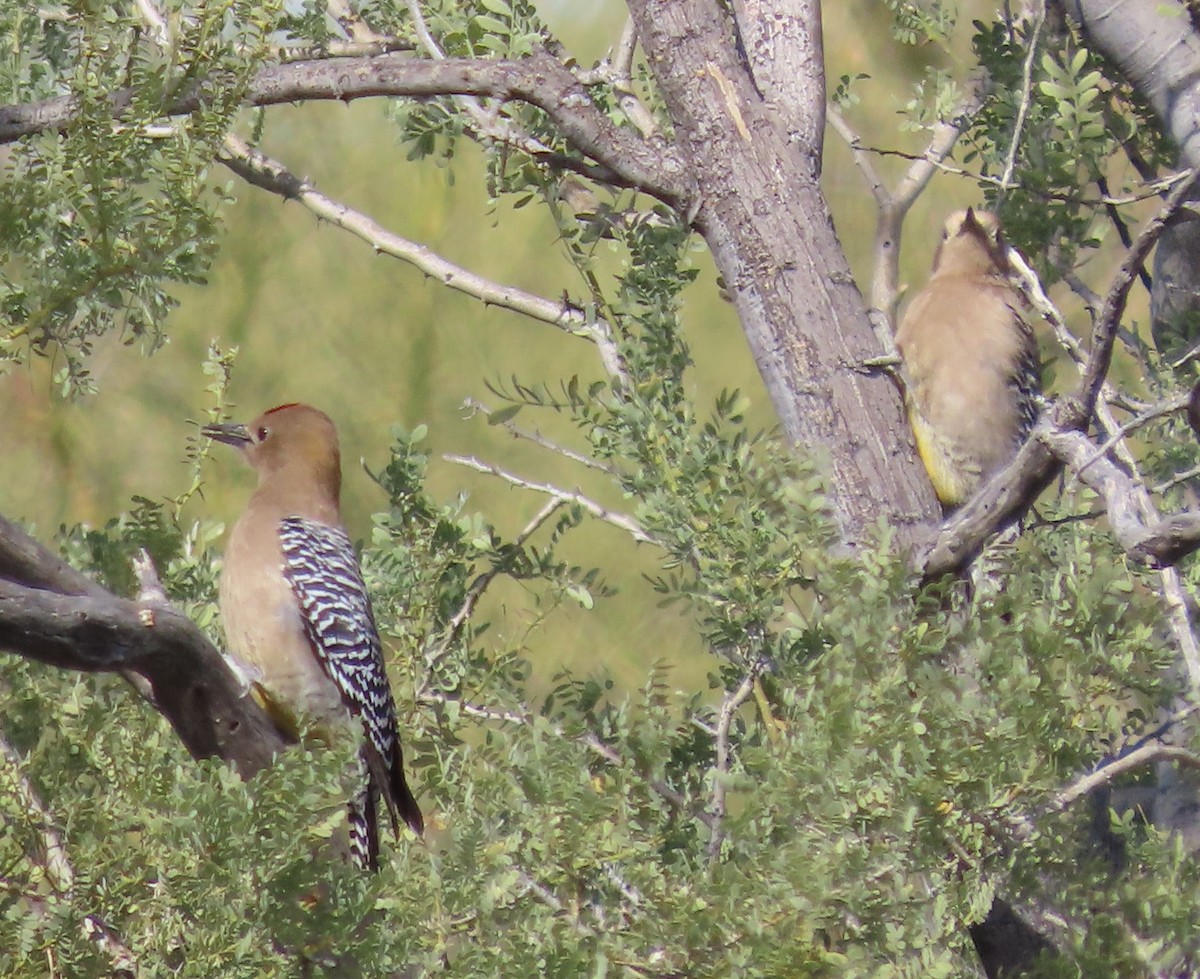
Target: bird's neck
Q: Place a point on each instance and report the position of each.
(288, 494)
(968, 258)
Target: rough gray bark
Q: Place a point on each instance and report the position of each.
(1157, 49)
(764, 217)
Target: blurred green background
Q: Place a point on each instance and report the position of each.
(319, 317)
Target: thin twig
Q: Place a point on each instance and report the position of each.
(1175, 480)
(1153, 188)
(859, 153)
(487, 120)
(1190, 355)
(1139, 529)
(1026, 97)
(342, 49)
(1109, 318)
(538, 439)
(944, 134)
(589, 740)
(730, 703)
(1030, 284)
(56, 867)
(1159, 411)
(659, 787)
(624, 522)
(894, 204)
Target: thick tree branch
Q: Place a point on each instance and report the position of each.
(539, 80)
(52, 614)
(24, 560)
(998, 505)
(782, 41)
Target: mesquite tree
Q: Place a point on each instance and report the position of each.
(886, 777)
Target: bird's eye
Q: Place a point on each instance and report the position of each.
(262, 433)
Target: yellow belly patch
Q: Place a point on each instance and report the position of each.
(951, 483)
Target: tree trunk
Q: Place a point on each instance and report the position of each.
(761, 211)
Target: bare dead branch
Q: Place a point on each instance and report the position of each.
(53, 614)
(620, 520)
(262, 171)
(1147, 754)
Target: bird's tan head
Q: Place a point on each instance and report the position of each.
(971, 242)
(292, 441)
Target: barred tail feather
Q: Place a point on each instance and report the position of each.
(363, 820)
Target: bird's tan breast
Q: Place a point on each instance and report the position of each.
(263, 625)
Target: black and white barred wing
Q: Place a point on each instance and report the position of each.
(320, 564)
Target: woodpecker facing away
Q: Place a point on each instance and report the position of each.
(970, 360)
(297, 618)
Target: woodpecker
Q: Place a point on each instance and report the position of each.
(972, 376)
(298, 621)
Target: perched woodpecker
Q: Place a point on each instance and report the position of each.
(972, 375)
(297, 618)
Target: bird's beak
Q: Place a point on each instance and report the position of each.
(234, 434)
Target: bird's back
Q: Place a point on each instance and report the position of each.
(967, 349)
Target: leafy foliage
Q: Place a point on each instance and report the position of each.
(102, 217)
(893, 760)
